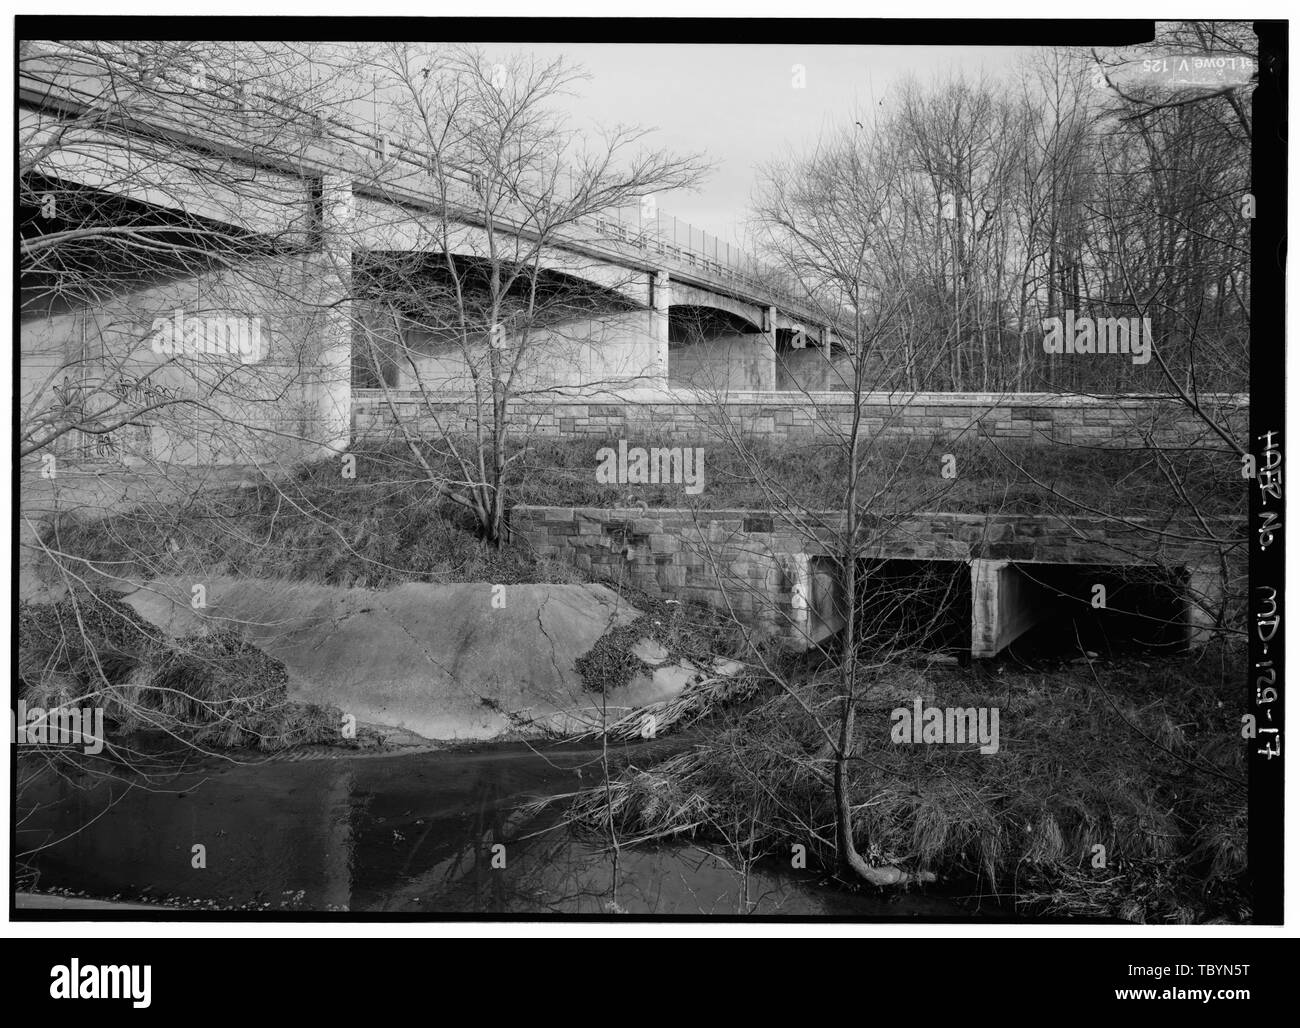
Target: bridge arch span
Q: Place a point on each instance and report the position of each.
(716, 349)
(424, 320)
(685, 295)
(384, 227)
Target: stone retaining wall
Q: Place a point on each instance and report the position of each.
(1029, 418)
(763, 567)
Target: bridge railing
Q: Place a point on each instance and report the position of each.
(668, 236)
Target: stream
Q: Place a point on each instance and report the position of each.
(411, 833)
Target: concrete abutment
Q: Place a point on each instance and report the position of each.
(1005, 604)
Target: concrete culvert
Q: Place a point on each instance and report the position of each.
(1103, 610)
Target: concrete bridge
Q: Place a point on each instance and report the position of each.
(308, 197)
(325, 197)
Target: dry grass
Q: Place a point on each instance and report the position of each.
(699, 700)
(1143, 762)
(902, 474)
(213, 691)
(387, 526)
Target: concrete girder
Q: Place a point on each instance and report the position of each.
(684, 295)
(378, 227)
(185, 181)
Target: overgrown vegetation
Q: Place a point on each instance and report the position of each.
(1142, 760)
(385, 527)
(611, 664)
(211, 690)
(372, 532)
(990, 476)
(689, 632)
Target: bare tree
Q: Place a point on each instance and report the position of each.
(822, 218)
(504, 287)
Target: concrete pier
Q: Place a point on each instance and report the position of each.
(1005, 604)
(1202, 603)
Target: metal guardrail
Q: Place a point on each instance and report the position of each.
(664, 235)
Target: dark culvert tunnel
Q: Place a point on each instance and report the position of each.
(1110, 611)
(1045, 611)
(922, 605)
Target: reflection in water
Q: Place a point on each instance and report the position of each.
(402, 834)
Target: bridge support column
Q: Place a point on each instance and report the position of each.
(769, 331)
(1004, 606)
(1202, 603)
(661, 297)
(332, 385)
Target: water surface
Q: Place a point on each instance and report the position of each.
(406, 834)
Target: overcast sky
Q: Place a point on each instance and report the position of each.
(737, 103)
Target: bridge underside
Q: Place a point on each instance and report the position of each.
(128, 246)
(697, 327)
(423, 323)
(127, 329)
(718, 350)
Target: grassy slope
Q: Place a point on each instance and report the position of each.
(904, 475)
(387, 526)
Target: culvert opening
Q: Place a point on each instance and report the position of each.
(913, 605)
(1108, 610)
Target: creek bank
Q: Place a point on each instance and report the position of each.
(1117, 793)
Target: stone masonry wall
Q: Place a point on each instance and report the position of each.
(1030, 418)
(757, 565)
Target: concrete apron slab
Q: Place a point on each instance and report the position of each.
(442, 661)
